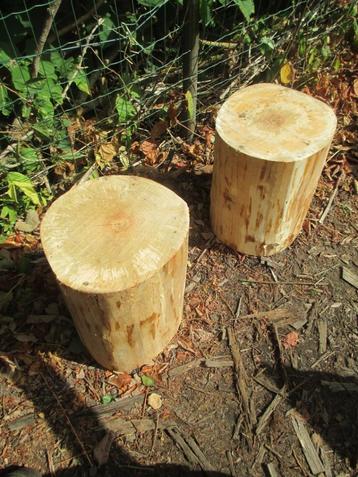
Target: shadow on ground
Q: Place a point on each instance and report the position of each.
(328, 402)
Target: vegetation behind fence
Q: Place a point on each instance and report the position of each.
(84, 85)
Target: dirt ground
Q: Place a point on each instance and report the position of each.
(262, 378)
(287, 324)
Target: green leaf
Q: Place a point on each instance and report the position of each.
(81, 82)
(8, 212)
(20, 75)
(125, 109)
(47, 70)
(147, 381)
(106, 28)
(25, 111)
(206, 7)
(16, 180)
(5, 103)
(29, 158)
(326, 52)
(4, 58)
(106, 399)
(247, 8)
(190, 105)
(60, 64)
(45, 108)
(43, 130)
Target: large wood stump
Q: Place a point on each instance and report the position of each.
(271, 146)
(118, 247)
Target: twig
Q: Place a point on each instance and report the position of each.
(51, 13)
(271, 468)
(185, 367)
(241, 379)
(264, 419)
(322, 358)
(67, 419)
(331, 199)
(11, 147)
(84, 51)
(219, 44)
(87, 174)
(155, 434)
(223, 299)
(311, 455)
(50, 463)
(111, 408)
(278, 283)
(79, 21)
(238, 309)
(177, 438)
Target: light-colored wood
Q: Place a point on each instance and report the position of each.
(118, 247)
(271, 146)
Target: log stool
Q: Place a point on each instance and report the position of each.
(118, 247)
(270, 149)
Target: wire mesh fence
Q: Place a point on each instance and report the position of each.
(81, 81)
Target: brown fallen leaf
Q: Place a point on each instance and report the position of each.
(120, 380)
(158, 129)
(290, 340)
(155, 401)
(355, 86)
(150, 150)
(107, 152)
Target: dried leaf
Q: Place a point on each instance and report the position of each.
(107, 152)
(150, 149)
(121, 380)
(287, 73)
(155, 401)
(291, 340)
(158, 129)
(355, 86)
(31, 222)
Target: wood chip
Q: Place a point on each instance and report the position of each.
(271, 469)
(185, 367)
(103, 448)
(111, 408)
(264, 419)
(267, 384)
(322, 331)
(311, 455)
(350, 277)
(276, 315)
(220, 362)
(241, 380)
(190, 449)
(21, 422)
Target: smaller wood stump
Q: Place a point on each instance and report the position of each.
(270, 149)
(118, 247)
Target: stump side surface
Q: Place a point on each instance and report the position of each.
(113, 233)
(275, 123)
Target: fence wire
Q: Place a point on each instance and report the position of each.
(111, 68)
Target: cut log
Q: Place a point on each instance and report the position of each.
(270, 149)
(118, 247)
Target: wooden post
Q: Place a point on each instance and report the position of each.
(118, 247)
(271, 146)
(190, 42)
